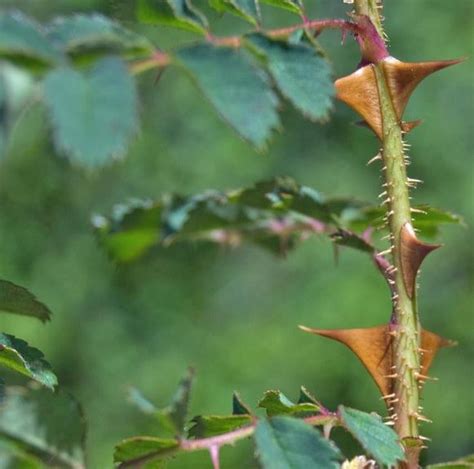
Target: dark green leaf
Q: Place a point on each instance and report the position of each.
(238, 406)
(428, 223)
(276, 403)
(17, 355)
(376, 438)
(248, 10)
(464, 463)
(18, 300)
(352, 240)
(144, 449)
(41, 426)
(306, 397)
(23, 43)
(295, 6)
(94, 114)
(243, 96)
(301, 74)
(178, 13)
(85, 35)
(210, 425)
(288, 443)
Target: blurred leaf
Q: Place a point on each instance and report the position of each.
(301, 74)
(288, 443)
(248, 10)
(376, 438)
(23, 42)
(306, 397)
(204, 426)
(141, 450)
(177, 13)
(466, 462)
(86, 35)
(4, 115)
(94, 114)
(295, 6)
(36, 425)
(238, 406)
(428, 223)
(276, 403)
(275, 214)
(18, 300)
(243, 96)
(352, 240)
(17, 355)
(172, 417)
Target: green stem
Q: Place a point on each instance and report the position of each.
(407, 330)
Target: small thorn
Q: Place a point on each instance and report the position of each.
(383, 194)
(424, 438)
(417, 210)
(387, 251)
(415, 181)
(377, 157)
(425, 378)
(390, 423)
(388, 396)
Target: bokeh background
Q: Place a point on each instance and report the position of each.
(233, 314)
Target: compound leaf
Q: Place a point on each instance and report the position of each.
(300, 73)
(18, 300)
(242, 96)
(211, 425)
(94, 114)
(89, 35)
(376, 438)
(288, 443)
(24, 43)
(41, 429)
(18, 356)
(177, 13)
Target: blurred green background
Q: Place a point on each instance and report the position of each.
(233, 314)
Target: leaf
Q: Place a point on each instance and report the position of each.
(38, 426)
(23, 42)
(204, 426)
(17, 355)
(276, 403)
(295, 6)
(177, 13)
(287, 443)
(248, 10)
(306, 397)
(466, 462)
(144, 449)
(243, 97)
(18, 300)
(94, 114)
(4, 115)
(301, 74)
(238, 406)
(377, 439)
(352, 240)
(428, 223)
(90, 35)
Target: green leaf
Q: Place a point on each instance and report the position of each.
(210, 425)
(429, 222)
(94, 114)
(177, 13)
(90, 35)
(238, 406)
(4, 115)
(44, 429)
(301, 74)
(295, 6)
(466, 462)
(17, 355)
(276, 403)
(23, 42)
(242, 96)
(18, 300)
(248, 10)
(141, 402)
(376, 438)
(306, 397)
(288, 443)
(352, 240)
(144, 449)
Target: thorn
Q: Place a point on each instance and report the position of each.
(417, 210)
(420, 417)
(388, 396)
(415, 181)
(424, 438)
(425, 378)
(392, 376)
(384, 253)
(377, 157)
(383, 194)
(390, 423)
